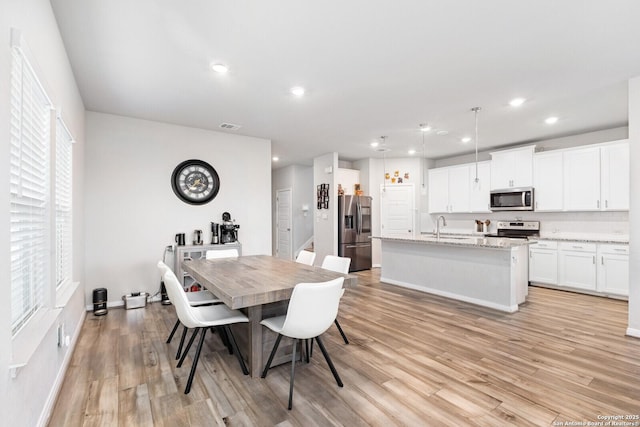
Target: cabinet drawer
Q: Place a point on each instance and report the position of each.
(577, 246)
(545, 244)
(614, 249)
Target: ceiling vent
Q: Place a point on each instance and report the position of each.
(229, 126)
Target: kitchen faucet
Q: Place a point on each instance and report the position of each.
(444, 224)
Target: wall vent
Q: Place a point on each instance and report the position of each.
(229, 126)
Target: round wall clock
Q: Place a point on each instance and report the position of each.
(195, 182)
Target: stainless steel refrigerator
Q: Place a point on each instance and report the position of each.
(354, 230)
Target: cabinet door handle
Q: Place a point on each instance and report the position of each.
(594, 259)
(576, 247)
(602, 260)
(606, 203)
(598, 204)
(619, 250)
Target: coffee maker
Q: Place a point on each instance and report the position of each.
(228, 230)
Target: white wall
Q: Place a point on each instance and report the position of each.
(300, 180)
(325, 222)
(132, 212)
(634, 211)
(27, 399)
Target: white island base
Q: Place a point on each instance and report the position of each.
(480, 271)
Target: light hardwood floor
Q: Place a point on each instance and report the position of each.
(414, 360)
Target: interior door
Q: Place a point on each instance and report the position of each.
(396, 210)
(283, 224)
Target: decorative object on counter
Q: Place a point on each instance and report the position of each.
(180, 239)
(340, 190)
(197, 237)
(406, 175)
(195, 182)
(475, 113)
(386, 176)
(396, 174)
(486, 226)
(323, 196)
(215, 233)
(228, 229)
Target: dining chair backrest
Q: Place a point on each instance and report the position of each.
(179, 299)
(222, 253)
(336, 263)
(163, 267)
(306, 257)
(312, 308)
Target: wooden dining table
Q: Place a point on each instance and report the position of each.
(259, 285)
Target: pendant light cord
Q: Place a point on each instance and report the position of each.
(475, 110)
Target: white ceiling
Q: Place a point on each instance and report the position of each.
(370, 68)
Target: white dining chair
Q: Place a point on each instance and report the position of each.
(306, 257)
(222, 253)
(312, 308)
(196, 298)
(202, 318)
(339, 265)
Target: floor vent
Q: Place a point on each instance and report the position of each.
(229, 126)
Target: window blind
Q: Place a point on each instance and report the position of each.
(63, 203)
(30, 148)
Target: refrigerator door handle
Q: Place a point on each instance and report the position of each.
(359, 213)
(361, 245)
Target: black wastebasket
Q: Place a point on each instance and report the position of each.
(100, 301)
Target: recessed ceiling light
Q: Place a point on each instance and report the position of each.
(220, 68)
(275, 158)
(425, 128)
(516, 102)
(412, 152)
(550, 120)
(297, 90)
(442, 132)
(466, 139)
(374, 144)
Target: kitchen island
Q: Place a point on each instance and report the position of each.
(487, 271)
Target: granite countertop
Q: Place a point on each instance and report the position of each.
(462, 240)
(605, 238)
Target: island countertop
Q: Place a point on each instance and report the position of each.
(462, 240)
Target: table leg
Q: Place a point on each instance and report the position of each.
(255, 341)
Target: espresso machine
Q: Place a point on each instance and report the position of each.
(228, 230)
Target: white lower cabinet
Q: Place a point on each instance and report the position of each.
(543, 262)
(598, 268)
(613, 269)
(577, 265)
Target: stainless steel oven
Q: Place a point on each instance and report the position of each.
(512, 199)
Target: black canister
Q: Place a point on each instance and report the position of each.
(100, 301)
(215, 233)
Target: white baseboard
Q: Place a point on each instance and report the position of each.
(633, 332)
(57, 385)
(500, 307)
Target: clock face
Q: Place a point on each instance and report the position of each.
(195, 182)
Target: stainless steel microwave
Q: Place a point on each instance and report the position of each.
(512, 199)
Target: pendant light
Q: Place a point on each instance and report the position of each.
(475, 111)
(423, 129)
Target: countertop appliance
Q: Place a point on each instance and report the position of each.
(354, 230)
(512, 199)
(228, 230)
(517, 229)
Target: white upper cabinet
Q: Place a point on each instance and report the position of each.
(614, 176)
(512, 168)
(547, 181)
(582, 179)
(449, 189)
(479, 192)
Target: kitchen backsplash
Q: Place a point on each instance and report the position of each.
(552, 224)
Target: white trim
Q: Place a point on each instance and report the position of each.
(45, 415)
(500, 307)
(304, 246)
(28, 339)
(633, 332)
